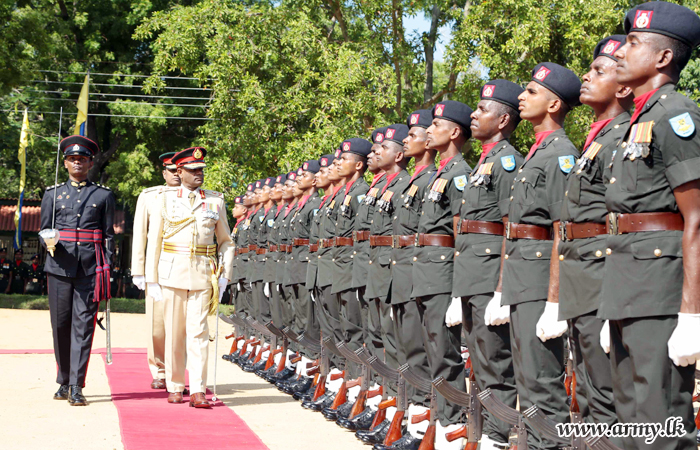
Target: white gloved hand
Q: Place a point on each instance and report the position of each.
(605, 336)
(684, 344)
(266, 290)
(155, 292)
(357, 295)
(391, 313)
(313, 299)
(239, 287)
(454, 312)
(496, 314)
(278, 288)
(549, 326)
(139, 281)
(223, 282)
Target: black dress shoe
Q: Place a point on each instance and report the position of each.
(75, 397)
(254, 367)
(61, 393)
(325, 401)
(285, 374)
(305, 395)
(300, 386)
(330, 414)
(361, 421)
(697, 437)
(376, 435)
(242, 358)
(407, 442)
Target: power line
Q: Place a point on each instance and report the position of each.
(119, 75)
(114, 115)
(120, 85)
(116, 95)
(184, 105)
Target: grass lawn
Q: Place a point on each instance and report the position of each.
(119, 305)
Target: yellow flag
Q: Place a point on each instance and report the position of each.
(81, 123)
(22, 156)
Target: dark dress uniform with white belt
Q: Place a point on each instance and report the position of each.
(537, 196)
(78, 271)
(433, 264)
(644, 273)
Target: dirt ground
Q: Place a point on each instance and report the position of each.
(31, 419)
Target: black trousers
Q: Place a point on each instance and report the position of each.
(647, 386)
(492, 361)
(406, 323)
(391, 347)
(443, 349)
(351, 324)
(328, 313)
(261, 303)
(73, 317)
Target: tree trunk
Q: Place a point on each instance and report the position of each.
(397, 35)
(429, 49)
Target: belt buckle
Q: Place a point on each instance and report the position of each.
(417, 240)
(459, 225)
(508, 230)
(562, 231)
(354, 236)
(395, 241)
(613, 226)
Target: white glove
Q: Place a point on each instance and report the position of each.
(454, 312)
(684, 344)
(605, 337)
(311, 293)
(357, 295)
(549, 326)
(223, 282)
(155, 292)
(239, 287)
(139, 281)
(391, 313)
(496, 314)
(278, 288)
(266, 290)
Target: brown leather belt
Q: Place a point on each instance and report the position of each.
(313, 248)
(300, 242)
(282, 248)
(342, 242)
(380, 241)
(273, 248)
(289, 248)
(634, 223)
(359, 236)
(252, 247)
(242, 250)
(525, 231)
(261, 251)
(479, 227)
(434, 240)
(568, 231)
(399, 241)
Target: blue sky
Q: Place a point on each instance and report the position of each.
(421, 24)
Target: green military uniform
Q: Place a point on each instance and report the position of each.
(19, 276)
(5, 270)
(266, 224)
(485, 202)
(537, 196)
(244, 263)
(643, 278)
(287, 293)
(36, 279)
(350, 197)
(272, 257)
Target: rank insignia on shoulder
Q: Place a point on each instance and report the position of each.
(508, 163)
(270, 222)
(460, 182)
(566, 163)
(682, 125)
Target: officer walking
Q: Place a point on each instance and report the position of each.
(651, 284)
(80, 245)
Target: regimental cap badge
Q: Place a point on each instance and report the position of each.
(300, 170)
(292, 176)
(439, 109)
(337, 153)
(488, 91)
(542, 73)
(305, 166)
(414, 118)
(643, 18)
(279, 178)
(346, 146)
(76, 147)
(268, 181)
(257, 185)
(390, 133)
(250, 187)
(380, 138)
(197, 154)
(324, 162)
(610, 48)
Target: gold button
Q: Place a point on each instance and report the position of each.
(511, 198)
(561, 257)
(512, 187)
(334, 260)
(538, 254)
(442, 256)
(78, 190)
(78, 229)
(352, 256)
(608, 251)
(292, 257)
(463, 201)
(370, 262)
(612, 180)
(488, 250)
(78, 243)
(422, 212)
(78, 200)
(393, 262)
(657, 252)
(415, 259)
(664, 96)
(456, 253)
(319, 256)
(616, 126)
(78, 215)
(63, 206)
(520, 170)
(566, 194)
(624, 144)
(523, 180)
(354, 253)
(506, 257)
(556, 139)
(598, 253)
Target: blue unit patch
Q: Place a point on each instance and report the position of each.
(682, 125)
(508, 163)
(460, 182)
(566, 163)
(360, 198)
(270, 222)
(262, 218)
(315, 211)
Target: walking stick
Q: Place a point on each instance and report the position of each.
(216, 336)
(109, 334)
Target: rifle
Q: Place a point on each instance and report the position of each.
(423, 384)
(505, 413)
(471, 407)
(349, 355)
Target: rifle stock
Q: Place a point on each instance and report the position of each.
(394, 432)
(545, 426)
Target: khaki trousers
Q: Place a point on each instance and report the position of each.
(156, 343)
(186, 338)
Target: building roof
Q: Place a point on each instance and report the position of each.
(31, 218)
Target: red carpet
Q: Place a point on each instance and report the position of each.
(148, 421)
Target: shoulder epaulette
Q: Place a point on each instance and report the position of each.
(214, 193)
(151, 189)
(102, 186)
(55, 186)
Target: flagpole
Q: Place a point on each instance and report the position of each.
(58, 152)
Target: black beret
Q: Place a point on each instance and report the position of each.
(609, 45)
(259, 184)
(669, 19)
(281, 178)
(238, 200)
(396, 133)
(78, 145)
(560, 80)
(359, 146)
(378, 135)
(422, 118)
(292, 176)
(456, 112)
(35, 256)
(190, 158)
(269, 181)
(502, 91)
(250, 187)
(20, 251)
(326, 160)
(311, 165)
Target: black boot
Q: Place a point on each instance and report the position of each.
(376, 435)
(285, 374)
(76, 396)
(305, 395)
(61, 393)
(324, 401)
(361, 421)
(407, 442)
(301, 385)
